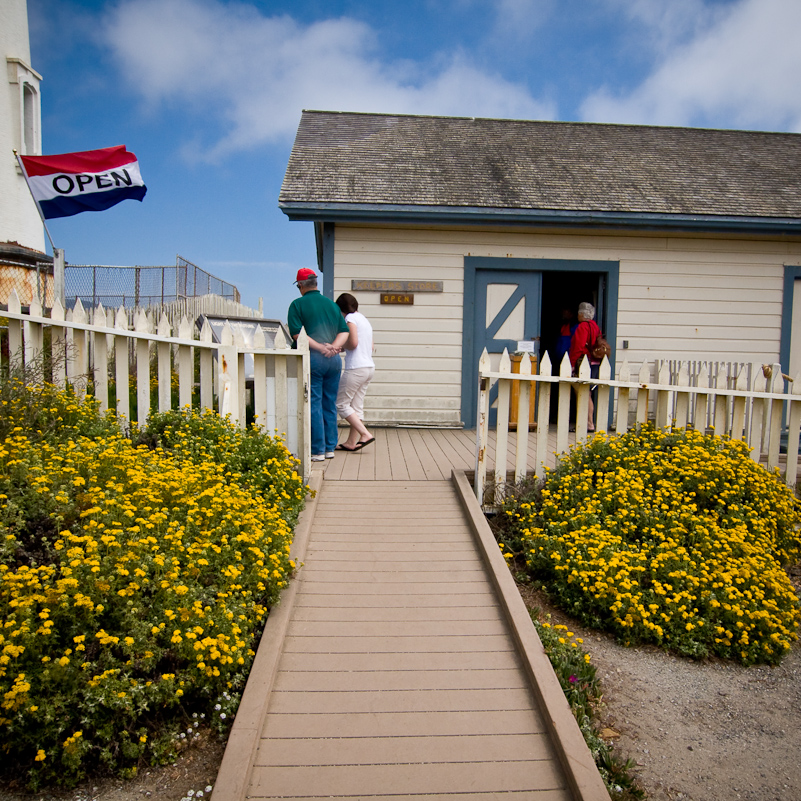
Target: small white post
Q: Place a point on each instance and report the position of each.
(524, 402)
(563, 413)
(644, 377)
(793, 433)
(622, 416)
(304, 403)
(760, 384)
(502, 426)
(662, 397)
(186, 365)
(59, 345)
(163, 354)
(260, 380)
(101, 359)
(482, 427)
(281, 383)
(582, 400)
(683, 398)
(142, 325)
(543, 418)
(228, 375)
(776, 405)
(206, 369)
(59, 284)
(602, 407)
(121, 364)
(80, 359)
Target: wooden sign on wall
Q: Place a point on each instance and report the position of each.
(360, 285)
(400, 298)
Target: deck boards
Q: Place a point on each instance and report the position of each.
(399, 677)
(422, 454)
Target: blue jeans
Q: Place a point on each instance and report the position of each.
(324, 387)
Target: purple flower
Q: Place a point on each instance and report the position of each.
(572, 679)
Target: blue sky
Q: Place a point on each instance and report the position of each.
(208, 95)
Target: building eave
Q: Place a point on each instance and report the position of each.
(613, 220)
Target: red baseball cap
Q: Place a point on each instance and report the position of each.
(304, 274)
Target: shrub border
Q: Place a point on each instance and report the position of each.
(233, 778)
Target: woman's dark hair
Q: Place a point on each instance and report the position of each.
(347, 303)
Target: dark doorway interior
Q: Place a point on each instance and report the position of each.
(565, 290)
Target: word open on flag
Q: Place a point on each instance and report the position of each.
(92, 180)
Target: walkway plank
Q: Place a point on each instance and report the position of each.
(496, 748)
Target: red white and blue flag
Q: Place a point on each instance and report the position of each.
(93, 180)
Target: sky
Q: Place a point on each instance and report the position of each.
(208, 95)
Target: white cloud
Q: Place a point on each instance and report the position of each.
(252, 74)
(740, 68)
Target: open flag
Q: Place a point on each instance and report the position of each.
(93, 180)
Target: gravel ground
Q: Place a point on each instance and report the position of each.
(699, 730)
(706, 731)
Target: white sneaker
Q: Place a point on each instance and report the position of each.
(329, 454)
(318, 457)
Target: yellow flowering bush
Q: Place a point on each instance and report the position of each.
(134, 583)
(674, 538)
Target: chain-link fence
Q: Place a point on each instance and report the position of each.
(111, 286)
(141, 286)
(32, 282)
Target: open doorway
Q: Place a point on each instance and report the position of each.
(562, 292)
(507, 300)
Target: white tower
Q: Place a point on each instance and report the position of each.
(20, 128)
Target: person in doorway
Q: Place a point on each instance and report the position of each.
(568, 326)
(584, 337)
(358, 372)
(327, 332)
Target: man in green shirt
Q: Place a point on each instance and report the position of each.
(327, 332)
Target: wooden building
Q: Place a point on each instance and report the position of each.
(457, 234)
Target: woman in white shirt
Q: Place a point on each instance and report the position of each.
(358, 372)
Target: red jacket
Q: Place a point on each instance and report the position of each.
(584, 337)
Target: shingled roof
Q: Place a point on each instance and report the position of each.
(349, 165)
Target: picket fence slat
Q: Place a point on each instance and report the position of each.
(744, 401)
(101, 352)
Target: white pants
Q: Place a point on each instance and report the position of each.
(352, 389)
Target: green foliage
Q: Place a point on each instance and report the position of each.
(134, 583)
(579, 682)
(677, 539)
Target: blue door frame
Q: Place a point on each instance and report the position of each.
(477, 273)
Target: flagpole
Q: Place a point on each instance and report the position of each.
(59, 288)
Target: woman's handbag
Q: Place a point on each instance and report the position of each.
(600, 348)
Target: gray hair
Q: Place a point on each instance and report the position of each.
(586, 311)
(309, 283)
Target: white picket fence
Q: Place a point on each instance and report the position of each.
(105, 348)
(750, 407)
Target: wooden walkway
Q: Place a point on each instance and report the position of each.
(401, 662)
(421, 454)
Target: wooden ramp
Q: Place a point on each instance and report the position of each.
(401, 664)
